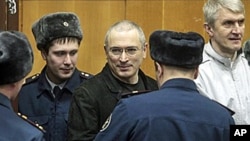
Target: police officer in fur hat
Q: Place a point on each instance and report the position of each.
(45, 97)
(176, 111)
(16, 60)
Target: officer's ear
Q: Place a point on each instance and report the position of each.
(158, 69)
(196, 72)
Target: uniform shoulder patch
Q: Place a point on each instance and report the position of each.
(30, 122)
(31, 78)
(106, 123)
(85, 75)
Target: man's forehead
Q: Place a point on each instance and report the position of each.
(225, 14)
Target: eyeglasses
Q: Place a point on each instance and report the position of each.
(128, 50)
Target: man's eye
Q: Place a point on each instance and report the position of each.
(228, 23)
(72, 53)
(241, 22)
(131, 49)
(116, 50)
(60, 53)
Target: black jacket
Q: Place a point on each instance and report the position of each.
(94, 101)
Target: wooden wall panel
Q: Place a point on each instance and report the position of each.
(247, 25)
(178, 15)
(149, 15)
(3, 15)
(184, 16)
(97, 15)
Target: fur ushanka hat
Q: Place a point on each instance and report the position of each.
(56, 25)
(176, 48)
(16, 56)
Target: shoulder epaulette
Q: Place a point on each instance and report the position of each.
(133, 93)
(85, 75)
(32, 123)
(31, 78)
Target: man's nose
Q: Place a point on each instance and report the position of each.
(67, 59)
(123, 56)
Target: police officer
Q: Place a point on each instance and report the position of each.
(45, 97)
(16, 60)
(175, 112)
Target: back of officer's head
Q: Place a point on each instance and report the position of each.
(176, 48)
(16, 57)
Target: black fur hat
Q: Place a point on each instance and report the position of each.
(56, 25)
(16, 56)
(176, 48)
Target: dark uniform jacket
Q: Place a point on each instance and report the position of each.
(177, 112)
(93, 102)
(36, 101)
(13, 127)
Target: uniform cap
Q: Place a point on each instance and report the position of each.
(176, 48)
(16, 56)
(56, 25)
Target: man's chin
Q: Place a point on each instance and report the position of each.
(124, 75)
(66, 76)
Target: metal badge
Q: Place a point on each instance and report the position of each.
(66, 24)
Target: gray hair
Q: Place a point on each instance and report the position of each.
(125, 25)
(211, 8)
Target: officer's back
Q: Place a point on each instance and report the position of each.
(16, 60)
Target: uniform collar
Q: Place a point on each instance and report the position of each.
(43, 84)
(180, 83)
(52, 84)
(73, 81)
